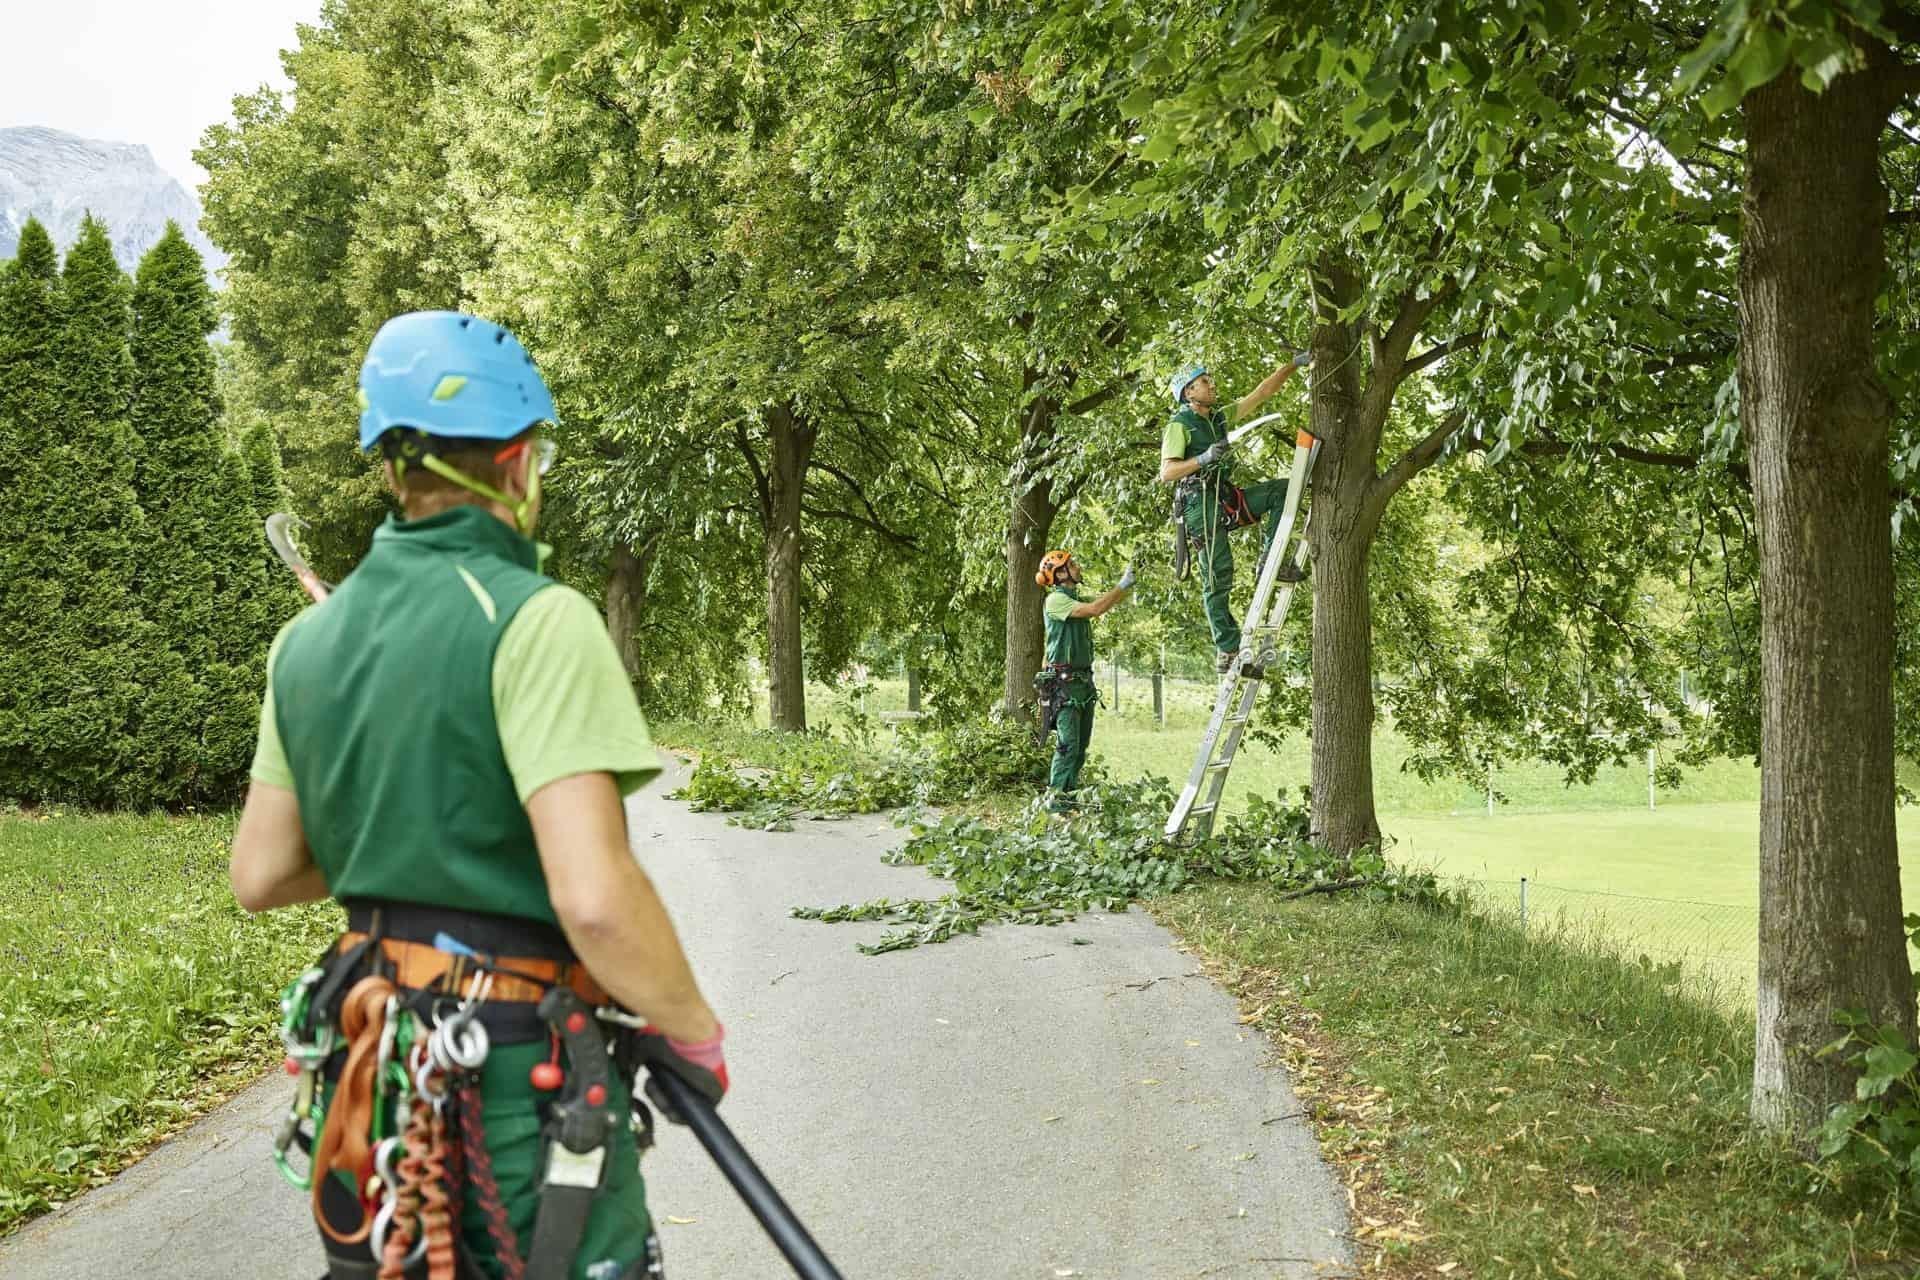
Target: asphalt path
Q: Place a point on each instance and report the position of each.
(1032, 1102)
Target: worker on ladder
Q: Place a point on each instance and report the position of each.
(1067, 694)
(1194, 457)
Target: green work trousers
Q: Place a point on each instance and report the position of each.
(1214, 553)
(1070, 737)
(619, 1226)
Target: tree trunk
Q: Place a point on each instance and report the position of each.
(1816, 420)
(627, 605)
(1029, 525)
(1341, 533)
(792, 447)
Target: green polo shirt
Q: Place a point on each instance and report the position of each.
(560, 696)
(414, 712)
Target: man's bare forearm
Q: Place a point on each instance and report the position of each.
(635, 953)
(1264, 392)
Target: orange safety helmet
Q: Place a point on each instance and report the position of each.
(1050, 564)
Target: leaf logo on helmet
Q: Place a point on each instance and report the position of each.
(1050, 566)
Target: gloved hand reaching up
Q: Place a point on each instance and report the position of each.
(1212, 453)
(1126, 579)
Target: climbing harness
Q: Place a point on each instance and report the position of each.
(388, 1094)
(1193, 813)
(1051, 684)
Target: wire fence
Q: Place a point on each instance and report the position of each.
(1714, 941)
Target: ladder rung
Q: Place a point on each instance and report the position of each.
(1220, 764)
(1199, 809)
(1236, 719)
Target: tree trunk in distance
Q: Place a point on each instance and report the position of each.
(1029, 525)
(1816, 420)
(627, 605)
(1341, 535)
(792, 448)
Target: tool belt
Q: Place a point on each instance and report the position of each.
(1232, 509)
(398, 1017)
(1050, 684)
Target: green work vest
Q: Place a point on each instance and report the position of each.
(1203, 432)
(384, 700)
(1070, 640)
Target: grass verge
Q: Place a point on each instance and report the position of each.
(1506, 1105)
(135, 993)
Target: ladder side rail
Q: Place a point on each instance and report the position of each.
(1303, 456)
(1223, 700)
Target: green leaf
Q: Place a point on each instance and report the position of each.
(1763, 57)
(1722, 98)
(1160, 146)
(1137, 104)
(1378, 132)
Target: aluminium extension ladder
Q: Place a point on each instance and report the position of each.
(1193, 813)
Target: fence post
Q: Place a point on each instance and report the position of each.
(1489, 788)
(1523, 904)
(1159, 702)
(913, 689)
(1649, 777)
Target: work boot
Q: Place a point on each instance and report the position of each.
(1290, 572)
(1226, 661)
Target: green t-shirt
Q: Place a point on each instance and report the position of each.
(1069, 639)
(561, 700)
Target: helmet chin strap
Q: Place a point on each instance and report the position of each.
(521, 508)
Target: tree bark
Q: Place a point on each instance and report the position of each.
(1341, 533)
(627, 577)
(1029, 525)
(1816, 420)
(792, 438)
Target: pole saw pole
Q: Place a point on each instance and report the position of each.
(802, 1254)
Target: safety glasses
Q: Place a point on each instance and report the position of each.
(543, 451)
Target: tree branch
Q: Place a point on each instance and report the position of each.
(759, 476)
(1087, 404)
(1423, 454)
(874, 522)
(1435, 354)
(830, 513)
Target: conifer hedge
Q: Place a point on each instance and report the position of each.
(135, 603)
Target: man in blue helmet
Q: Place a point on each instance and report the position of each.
(1194, 457)
(444, 747)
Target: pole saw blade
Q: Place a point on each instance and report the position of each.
(280, 531)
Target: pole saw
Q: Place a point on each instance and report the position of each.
(280, 530)
(785, 1228)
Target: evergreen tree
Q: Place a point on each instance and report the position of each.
(262, 453)
(203, 584)
(29, 325)
(89, 647)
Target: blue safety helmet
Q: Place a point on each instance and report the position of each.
(1182, 380)
(449, 374)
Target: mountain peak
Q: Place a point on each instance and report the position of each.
(60, 177)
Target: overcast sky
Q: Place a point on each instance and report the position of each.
(150, 71)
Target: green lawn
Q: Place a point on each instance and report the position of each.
(134, 991)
